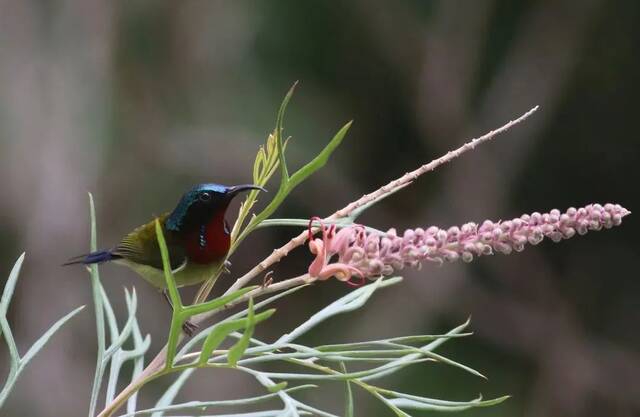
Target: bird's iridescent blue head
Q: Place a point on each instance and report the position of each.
(198, 205)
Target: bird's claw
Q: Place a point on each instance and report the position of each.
(189, 328)
(268, 279)
(226, 267)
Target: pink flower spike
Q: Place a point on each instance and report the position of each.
(371, 255)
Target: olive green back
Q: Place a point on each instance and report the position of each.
(141, 246)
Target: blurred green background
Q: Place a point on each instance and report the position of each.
(137, 101)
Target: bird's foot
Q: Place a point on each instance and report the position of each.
(189, 328)
(267, 280)
(226, 267)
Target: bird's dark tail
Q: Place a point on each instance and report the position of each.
(97, 257)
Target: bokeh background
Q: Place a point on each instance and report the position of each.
(137, 101)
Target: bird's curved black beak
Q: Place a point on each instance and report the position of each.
(232, 191)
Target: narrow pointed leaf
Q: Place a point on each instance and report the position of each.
(216, 303)
(426, 405)
(476, 402)
(352, 301)
(278, 134)
(404, 339)
(169, 395)
(348, 407)
(398, 412)
(39, 344)
(9, 288)
(304, 223)
(314, 411)
(132, 304)
(174, 295)
(99, 302)
(109, 315)
(237, 350)
(203, 405)
(424, 351)
(339, 376)
(10, 285)
(190, 343)
(222, 330)
(321, 159)
(166, 265)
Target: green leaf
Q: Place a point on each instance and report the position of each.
(203, 405)
(39, 344)
(174, 295)
(214, 304)
(353, 356)
(164, 402)
(99, 303)
(398, 340)
(222, 330)
(278, 134)
(457, 330)
(259, 165)
(117, 342)
(17, 364)
(166, 266)
(451, 362)
(426, 350)
(477, 402)
(300, 175)
(342, 377)
(110, 316)
(306, 407)
(340, 223)
(413, 402)
(320, 160)
(237, 350)
(351, 301)
(287, 184)
(15, 368)
(349, 407)
(9, 288)
(391, 406)
(10, 285)
(192, 342)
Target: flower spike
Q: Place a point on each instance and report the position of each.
(370, 255)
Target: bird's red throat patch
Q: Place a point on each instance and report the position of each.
(210, 243)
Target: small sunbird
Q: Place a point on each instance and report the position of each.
(196, 233)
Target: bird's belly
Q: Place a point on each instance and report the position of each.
(193, 273)
(188, 274)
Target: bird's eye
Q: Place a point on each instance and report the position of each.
(204, 197)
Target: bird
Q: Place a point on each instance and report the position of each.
(197, 237)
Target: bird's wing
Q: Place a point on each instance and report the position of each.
(141, 246)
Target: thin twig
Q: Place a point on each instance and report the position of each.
(413, 175)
